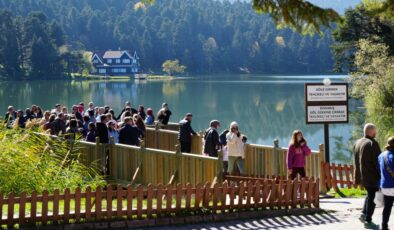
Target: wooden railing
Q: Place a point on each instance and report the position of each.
(153, 201)
(337, 176)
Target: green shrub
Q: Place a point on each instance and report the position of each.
(32, 162)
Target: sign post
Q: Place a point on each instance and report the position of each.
(326, 104)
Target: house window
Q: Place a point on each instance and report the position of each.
(123, 70)
(102, 71)
(118, 61)
(109, 61)
(126, 60)
(95, 61)
(134, 61)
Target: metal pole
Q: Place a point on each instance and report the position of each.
(327, 143)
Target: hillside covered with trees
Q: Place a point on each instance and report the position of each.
(207, 36)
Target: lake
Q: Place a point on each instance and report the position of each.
(266, 107)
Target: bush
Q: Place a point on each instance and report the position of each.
(33, 162)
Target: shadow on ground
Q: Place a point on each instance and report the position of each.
(285, 222)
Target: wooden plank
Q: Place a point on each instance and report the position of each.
(207, 194)
(273, 196)
(302, 192)
(334, 177)
(168, 198)
(33, 207)
(216, 196)
(10, 214)
(223, 199)
(179, 194)
(249, 194)
(232, 195)
(288, 193)
(241, 193)
(129, 197)
(266, 191)
(149, 199)
(109, 202)
(295, 189)
(78, 197)
(198, 196)
(188, 196)
(67, 201)
(88, 204)
(340, 172)
(119, 200)
(310, 192)
(22, 208)
(347, 175)
(328, 175)
(97, 204)
(140, 200)
(56, 205)
(159, 198)
(257, 194)
(44, 213)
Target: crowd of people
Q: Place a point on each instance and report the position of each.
(91, 122)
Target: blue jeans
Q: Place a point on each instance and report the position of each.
(235, 160)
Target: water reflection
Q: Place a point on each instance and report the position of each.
(265, 107)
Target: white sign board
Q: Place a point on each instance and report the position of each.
(327, 113)
(326, 93)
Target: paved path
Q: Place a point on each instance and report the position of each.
(344, 216)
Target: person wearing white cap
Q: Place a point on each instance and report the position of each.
(211, 139)
(10, 116)
(235, 149)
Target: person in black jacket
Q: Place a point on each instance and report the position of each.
(366, 152)
(185, 133)
(76, 113)
(59, 125)
(164, 114)
(102, 129)
(129, 134)
(211, 137)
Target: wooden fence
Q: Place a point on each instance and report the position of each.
(335, 176)
(153, 201)
(139, 165)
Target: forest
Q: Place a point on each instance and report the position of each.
(46, 38)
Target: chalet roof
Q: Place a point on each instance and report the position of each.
(114, 54)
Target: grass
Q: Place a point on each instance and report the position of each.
(348, 193)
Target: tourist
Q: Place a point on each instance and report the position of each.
(102, 130)
(29, 115)
(90, 113)
(127, 113)
(65, 110)
(100, 112)
(139, 123)
(10, 116)
(141, 112)
(386, 164)
(366, 151)
(129, 134)
(127, 107)
(21, 119)
(48, 125)
(112, 131)
(81, 108)
(126, 104)
(106, 109)
(57, 109)
(76, 113)
(72, 130)
(223, 143)
(59, 125)
(45, 118)
(85, 124)
(91, 136)
(296, 155)
(111, 111)
(164, 114)
(39, 113)
(211, 139)
(150, 118)
(185, 133)
(33, 110)
(235, 149)
(90, 106)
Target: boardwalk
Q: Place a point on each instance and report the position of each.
(343, 214)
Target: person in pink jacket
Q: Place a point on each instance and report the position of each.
(296, 155)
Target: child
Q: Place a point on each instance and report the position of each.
(223, 143)
(296, 155)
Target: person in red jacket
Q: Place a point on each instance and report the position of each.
(296, 155)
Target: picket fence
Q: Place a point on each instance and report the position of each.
(337, 176)
(154, 201)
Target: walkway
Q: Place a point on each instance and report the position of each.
(343, 214)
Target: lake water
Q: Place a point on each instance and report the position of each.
(266, 107)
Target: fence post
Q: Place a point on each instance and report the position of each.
(157, 135)
(111, 161)
(323, 187)
(276, 158)
(140, 159)
(178, 155)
